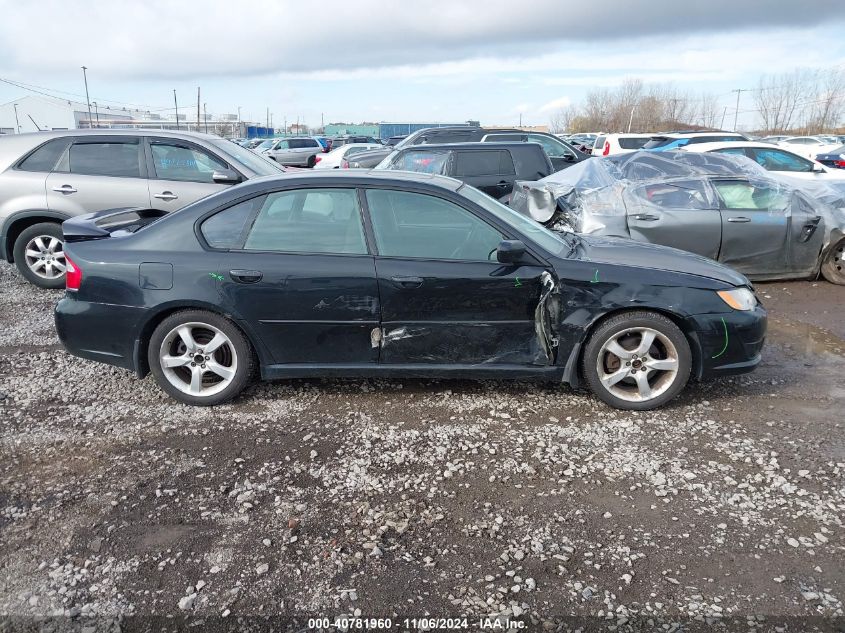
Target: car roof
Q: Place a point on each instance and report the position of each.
(696, 134)
(43, 136)
(363, 176)
(467, 145)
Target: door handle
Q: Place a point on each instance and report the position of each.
(166, 195)
(246, 276)
(64, 189)
(407, 282)
(647, 217)
(739, 220)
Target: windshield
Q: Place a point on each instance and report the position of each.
(266, 144)
(256, 163)
(553, 243)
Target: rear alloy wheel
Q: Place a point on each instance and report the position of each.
(637, 361)
(39, 255)
(312, 160)
(200, 358)
(833, 266)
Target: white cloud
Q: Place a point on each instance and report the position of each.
(217, 38)
(555, 104)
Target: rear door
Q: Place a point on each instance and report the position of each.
(682, 214)
(755, 226)
(99, 172)
(491, 171)
(294, 267)
(181, 172)
(444, 297)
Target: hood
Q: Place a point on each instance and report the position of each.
(612, 250)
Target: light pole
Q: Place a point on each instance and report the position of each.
(176, 105)
(97, 113)
(87, 98)
(631, 118)
(18, 123)
(738, 92)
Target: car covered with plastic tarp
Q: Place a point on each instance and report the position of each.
(725, 207)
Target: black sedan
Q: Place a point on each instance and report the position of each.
(388, 274)
(834, 158)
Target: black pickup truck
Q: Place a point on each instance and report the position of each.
(491, 167)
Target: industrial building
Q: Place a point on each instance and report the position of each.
(32, 113)
(383, 130)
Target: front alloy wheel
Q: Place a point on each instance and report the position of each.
(637, 360)
(200, 357)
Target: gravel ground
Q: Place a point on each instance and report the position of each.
(403, 499)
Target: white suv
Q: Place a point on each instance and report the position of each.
(610, 144)
(676, 140)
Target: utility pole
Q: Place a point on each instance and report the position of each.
(285, 131)
(18, 123)
(87, 99)
(97, 112)
(738, 92)
(240, 129)
(267, 123)
(520, 119)
(631, 118)
(198, 109)
(724, 112)
(177, 109)
(322, 124)
(205, 117)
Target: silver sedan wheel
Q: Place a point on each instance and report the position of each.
(198, 359)
(638, 364)
(45, 257)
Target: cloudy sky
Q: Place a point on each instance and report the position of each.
(438, 60)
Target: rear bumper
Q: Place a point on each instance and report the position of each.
(100, 332)
(732, 342)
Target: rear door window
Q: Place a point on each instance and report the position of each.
(479, 163)
(107, 158)
(309, 221)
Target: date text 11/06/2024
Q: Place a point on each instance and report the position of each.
(423, 623)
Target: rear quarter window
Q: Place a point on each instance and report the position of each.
(478, 163)
(45, 157)
(629, 142)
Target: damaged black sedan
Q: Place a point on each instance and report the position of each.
(393, 274)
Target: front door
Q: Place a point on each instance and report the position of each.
(299, 274)
(181, 173)
(444, 297)
(96, 173)
(755, 224)
(681, 214)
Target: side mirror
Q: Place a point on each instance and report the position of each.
(818, 169)
(510, 251)
(225, 177)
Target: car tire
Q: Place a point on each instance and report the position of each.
(187, 370)
(833, 266)
(312, 160)
(636, 361)
(39, 255)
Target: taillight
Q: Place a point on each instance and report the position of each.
(344, 164)
(606, 148)
(839, 163)
(317, 159)
(73, 275)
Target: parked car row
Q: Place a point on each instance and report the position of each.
(416, 267)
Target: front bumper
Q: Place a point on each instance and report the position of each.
(100, 332)
(730, 342)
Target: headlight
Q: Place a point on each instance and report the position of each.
(739, 298)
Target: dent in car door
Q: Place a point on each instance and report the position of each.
(180, 173)
(443, 301)
(754, 218)
(681, 214)
(97, 173)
